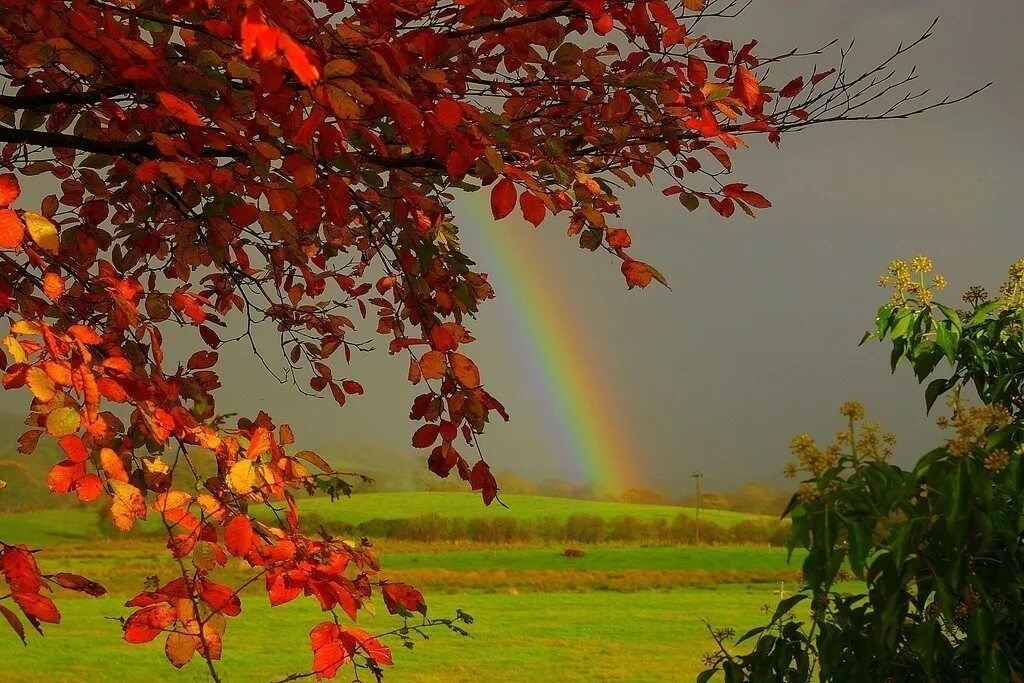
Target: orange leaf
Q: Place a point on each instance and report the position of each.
(179, 648)
(745, 88)
(53, 285)
(180, 109)
(113, 465)
(73, 447)
(618, 238)
(432, 365)
(12, 230)
(465, 371)
(259, 443)
(89, 488)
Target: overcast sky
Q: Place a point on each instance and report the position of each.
(758, 339)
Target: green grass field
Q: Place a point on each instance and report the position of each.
(566, 637)
(620, 613)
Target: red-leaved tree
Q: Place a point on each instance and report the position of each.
(214, 165)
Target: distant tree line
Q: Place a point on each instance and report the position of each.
(582, 528)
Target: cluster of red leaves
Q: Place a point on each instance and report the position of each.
(295, 163)
(26, 583)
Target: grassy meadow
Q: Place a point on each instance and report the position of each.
(623, 612)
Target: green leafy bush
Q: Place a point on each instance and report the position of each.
(935, 551)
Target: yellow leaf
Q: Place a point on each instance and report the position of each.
(128, 504)
(14, 348)
(26, 327)
(63, 421)
(43, 232)
(172, 500)
(112, 465)
(40, 384)
(243, 476)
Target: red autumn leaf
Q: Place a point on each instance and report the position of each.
(221, 599)
(371, 646)
(15, 622)
(533, 209)
(481, 479)
(74, 448)
(352, 387)
(63, 475)
(9, 189)
(19, 569)
(618, 238)
(449, 112)
(401, 598)
(503, 198)
(425, 436)
(442, 339)
(725, 207)
(147, 623)
(819, 77)
(697, 71)
(239, 536)
(38, 607)
(740, 191)
(793, 88)
(79, 583)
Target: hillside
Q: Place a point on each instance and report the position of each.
(364, 507)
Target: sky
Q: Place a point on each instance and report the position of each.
(757, 340)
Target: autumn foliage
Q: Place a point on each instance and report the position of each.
(213, 166)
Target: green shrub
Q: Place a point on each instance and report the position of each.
(936, 549)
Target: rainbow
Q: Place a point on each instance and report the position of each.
(577, 397)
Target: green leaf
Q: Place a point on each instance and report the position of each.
(883, 319)
(935, 389)
(982, 312)
(948, 340)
